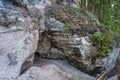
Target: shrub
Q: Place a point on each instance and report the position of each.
(102, 42)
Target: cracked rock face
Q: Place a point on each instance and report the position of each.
(18, 39)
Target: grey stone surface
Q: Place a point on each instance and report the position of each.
(53, 70)
(18, 39)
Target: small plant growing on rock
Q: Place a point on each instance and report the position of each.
(103, 43)
(67, 27)
(72, 78)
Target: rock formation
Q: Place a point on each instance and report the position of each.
(18, 39)
(67, 37)
(53, 29)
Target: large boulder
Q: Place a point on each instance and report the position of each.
(18, 39)
(67, 36)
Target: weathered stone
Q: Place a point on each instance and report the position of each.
(18, 39)
(53, 70)
(54, 25)
(19, 24)
(73, 46)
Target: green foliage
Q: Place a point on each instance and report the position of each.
(111, 17)
(102, 42)
(72, 78)
(108, 13)
(67, 27)
(78, 13)
(73, 10)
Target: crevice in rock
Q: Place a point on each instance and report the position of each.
(27, 64)
(19, 3)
